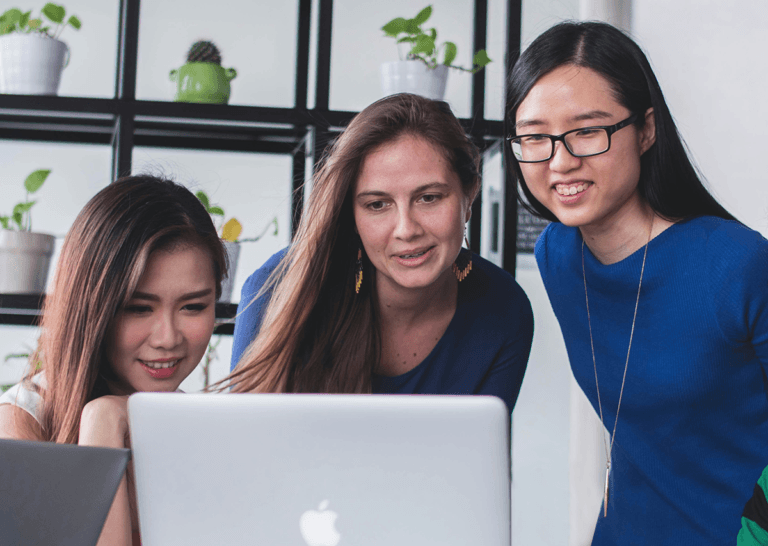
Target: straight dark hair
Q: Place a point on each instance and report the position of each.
(668, 180)
(103, 258)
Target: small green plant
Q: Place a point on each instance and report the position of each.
(424, 45)
(204, 52)
(20, 218)
(232, 228)
(14, 20)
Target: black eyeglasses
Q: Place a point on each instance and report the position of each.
(583, 142)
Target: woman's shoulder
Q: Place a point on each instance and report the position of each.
(556, 244)
(257, 279)
(26, 396)
(494, 291)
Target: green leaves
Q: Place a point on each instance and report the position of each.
(201, 195)
(481, 59)
(424, 43)
(54, 13)
(20, 212)
(14, 20)
(35, 180)
(218, 211)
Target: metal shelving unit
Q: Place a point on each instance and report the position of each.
(301, 132)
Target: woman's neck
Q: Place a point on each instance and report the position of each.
(402, 306)
(612, 241)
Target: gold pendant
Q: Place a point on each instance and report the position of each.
(605, 498)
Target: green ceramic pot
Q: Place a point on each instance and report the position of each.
(203, 82)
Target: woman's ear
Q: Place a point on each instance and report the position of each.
(648, 132)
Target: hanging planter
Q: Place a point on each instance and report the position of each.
(202, 78)
(421, 73)
(32, 58)
(25, 257)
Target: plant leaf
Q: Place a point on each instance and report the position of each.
(75, 22)
(412, 27)
(411, 39)
(424, 44)
(481, 59)
(6, 28)
(218, 211)
(394, 27)
(5, 221)
(54, 13)
(12, 16)
(10, 356)
(423, 15)
(450, 53)
(17, 217)
(21, 208)
(203, 199)
(433, 33)
(231, 230)
(34, 23)
(36, 179)
(24, 19)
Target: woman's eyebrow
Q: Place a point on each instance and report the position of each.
(586, 116)
(188, 296)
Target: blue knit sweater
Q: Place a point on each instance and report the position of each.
(692, 435)
(484, 350)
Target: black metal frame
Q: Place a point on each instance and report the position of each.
(124, 122)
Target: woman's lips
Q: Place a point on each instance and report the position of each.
(160, 369)
(414, 258)
(571, 192)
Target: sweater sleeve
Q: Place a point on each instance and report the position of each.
(505, 376)
(250, 311)
(738, 273)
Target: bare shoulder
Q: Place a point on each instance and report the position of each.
(17, 424)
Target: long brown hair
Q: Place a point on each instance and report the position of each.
(317, 335)
(102, 260)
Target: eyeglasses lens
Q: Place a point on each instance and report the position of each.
(583, 142)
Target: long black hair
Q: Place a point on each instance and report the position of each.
(668, 180)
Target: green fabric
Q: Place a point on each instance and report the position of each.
(751, 534)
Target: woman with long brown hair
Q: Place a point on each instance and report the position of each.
(376, 294)
(132, 309)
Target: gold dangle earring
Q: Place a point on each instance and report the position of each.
(463, 264)
(359, 273)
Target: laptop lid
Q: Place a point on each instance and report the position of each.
(321, 470)
(56, 494)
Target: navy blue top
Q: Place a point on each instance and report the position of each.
(692, 434)
(484, 350)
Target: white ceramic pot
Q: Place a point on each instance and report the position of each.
(233, 253)
(413, 77)
(25, 259)
(31, 64)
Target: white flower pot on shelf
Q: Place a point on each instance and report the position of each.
(25, 259)
(31, 64)
(413, 77)
(233, 253)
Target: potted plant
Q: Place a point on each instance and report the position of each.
(32, 57)
(202, 78)
(230, 233)
(424, 71)
(25, 257)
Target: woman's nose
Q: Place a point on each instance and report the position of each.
(407, 226)
(166, 333)
(562, 160)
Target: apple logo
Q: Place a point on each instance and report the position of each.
(317, 526)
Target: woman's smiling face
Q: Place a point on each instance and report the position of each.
(162, 332)
(409, 211)
(583, 191)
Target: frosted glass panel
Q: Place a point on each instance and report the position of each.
(358, 48)
(496, 43)
(539, 15)
(92, 66)
(256, 37)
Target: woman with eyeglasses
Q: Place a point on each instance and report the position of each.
(660, 293)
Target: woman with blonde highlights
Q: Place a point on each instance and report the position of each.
(376, 293)
(132, 309)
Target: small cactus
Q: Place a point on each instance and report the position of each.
(204, 52)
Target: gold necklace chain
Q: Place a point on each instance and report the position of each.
(609, 450)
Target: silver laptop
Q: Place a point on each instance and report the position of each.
(321, 470)
(56, 494)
